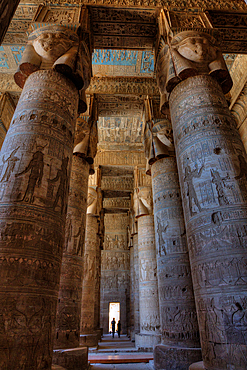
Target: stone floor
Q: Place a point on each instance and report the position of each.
(141, 366)
(118, 354)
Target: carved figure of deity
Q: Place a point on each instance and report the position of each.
(189, 175)
(242, 167)
(62, 175)
(11, 162)
(218, 182)
(35, 166)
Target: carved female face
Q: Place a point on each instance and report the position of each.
(197, 49)
(51, 46)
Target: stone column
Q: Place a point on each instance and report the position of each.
(33, 210)
(239, 110)
(136, 285)
(33, 205)
(88, 337)
(134, 274)
(101, 234)
(148, 286)
(132, 320)
(97, 292)
(212, 173)
(7, 11)
(70, 293)
(7, 109)
(178, 320)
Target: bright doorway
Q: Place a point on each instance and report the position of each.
(114, 312)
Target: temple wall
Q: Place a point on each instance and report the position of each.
(115, 268)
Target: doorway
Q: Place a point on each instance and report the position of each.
(114, 312)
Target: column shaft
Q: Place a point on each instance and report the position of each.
(179, 328)
(70, 292)
(33, 210)
(148, 285)
(89, 277)
(131, 292)
(212, 171)
(97, 293)
(136, 285)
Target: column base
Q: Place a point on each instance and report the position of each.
(71, 359)
(89, 340)
(132, 335)
(146, 342)
(98, 332)
(197, 366)
(175, 358)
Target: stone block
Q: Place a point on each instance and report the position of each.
(197, 366)
(146, 342)
(175, 358)
(71, 359)
(89, 340)
(98, 332)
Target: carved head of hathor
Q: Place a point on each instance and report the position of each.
(59, 48)
(52, 45)
(188, 54)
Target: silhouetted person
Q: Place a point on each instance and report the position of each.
(113, 323)
(119, 328)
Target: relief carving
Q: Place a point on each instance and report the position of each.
(35, 166)
(158, 141)
(92, 201)
(86, 136)
(11, 162)
(59, 48)
(63, 188)
(187, 54)
(143, 201)
(189, 175)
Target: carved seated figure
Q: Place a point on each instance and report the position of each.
(59, 48)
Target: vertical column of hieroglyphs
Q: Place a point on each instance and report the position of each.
(114, 268)
(148, 286)
(178, 320)
(70, 292)
(212, 173)
(89, 274)
(33, 202)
